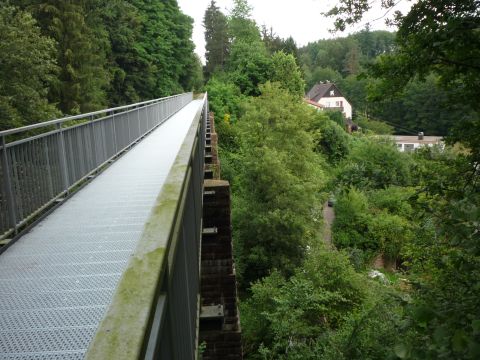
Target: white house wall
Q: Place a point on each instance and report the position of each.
(331, 102)
(402, 146)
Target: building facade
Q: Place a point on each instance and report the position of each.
(329, 97)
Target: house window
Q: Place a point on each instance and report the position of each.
(409, 147)
(332, 92)
(400, 147)
(339, 103)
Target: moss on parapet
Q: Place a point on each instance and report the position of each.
(122, 333)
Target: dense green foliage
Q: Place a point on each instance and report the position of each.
(429, 105)
(435, 38)
(413, 214)
(278, 184)
(324, 311)
(341, 57)
(286, 72)
(23, 96)
(330, 138)
(374, 164)
(70, 57)
(375, 223)
(216, 39)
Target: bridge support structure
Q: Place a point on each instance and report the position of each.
(219, 318)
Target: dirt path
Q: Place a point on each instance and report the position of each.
(328, 218)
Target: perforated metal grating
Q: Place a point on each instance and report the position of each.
(57, 281)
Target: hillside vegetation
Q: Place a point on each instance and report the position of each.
(69, 57)
(413, 214)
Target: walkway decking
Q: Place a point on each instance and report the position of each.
(57, 281)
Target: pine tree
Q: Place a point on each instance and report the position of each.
(352, 60)
(127, 66)
(241, 25)
(81, 47)
(24, 79)
(216, 38)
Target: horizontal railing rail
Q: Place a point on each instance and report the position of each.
(37, 171)
(155, 309)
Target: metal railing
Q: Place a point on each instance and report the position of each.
(174, 334)
(36, 171)
(155, 310)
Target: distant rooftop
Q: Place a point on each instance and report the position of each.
(319, 90)
(313, 103)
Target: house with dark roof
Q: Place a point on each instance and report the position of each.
(329, 97)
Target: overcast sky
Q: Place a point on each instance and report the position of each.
(301, 19)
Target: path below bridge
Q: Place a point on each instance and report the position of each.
(328, 219)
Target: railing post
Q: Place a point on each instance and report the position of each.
(63, 157)
(8, 186)
(205, 117)
(94, 147)
(49, 171)
(114, 133)
(139, 127)
(138, 116)
(130, 140)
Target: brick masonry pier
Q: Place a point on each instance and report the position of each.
(219, 319)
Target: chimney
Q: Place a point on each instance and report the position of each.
(420, 135)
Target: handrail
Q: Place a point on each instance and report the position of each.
(155, 308)
(80, 116)
(40, 170)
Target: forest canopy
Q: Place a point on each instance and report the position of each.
(90, 55)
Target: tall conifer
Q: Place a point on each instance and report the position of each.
(216, 37)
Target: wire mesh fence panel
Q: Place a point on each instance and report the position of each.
(36, 170)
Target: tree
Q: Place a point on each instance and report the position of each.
(321, 74)
(106, 52)
(81, 50)
(272, 41)
(436, 36)
(27, 69)
(249, 65)
(276, 186)
(331, 139)
(289, 46)
(195, 79)
(286, 72)
(128, 69)
(352, 61)
(444, 315)
(375, 164)
(324, 311)
(165, 44)
(241, 25)
(216, 38)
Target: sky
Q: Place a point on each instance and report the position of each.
(301, 19)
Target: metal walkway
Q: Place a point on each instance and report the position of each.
(57, 281)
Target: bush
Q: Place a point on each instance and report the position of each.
(375, 164)
(377, 127)
(331, 139)
(372, 226)
(325, 311)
